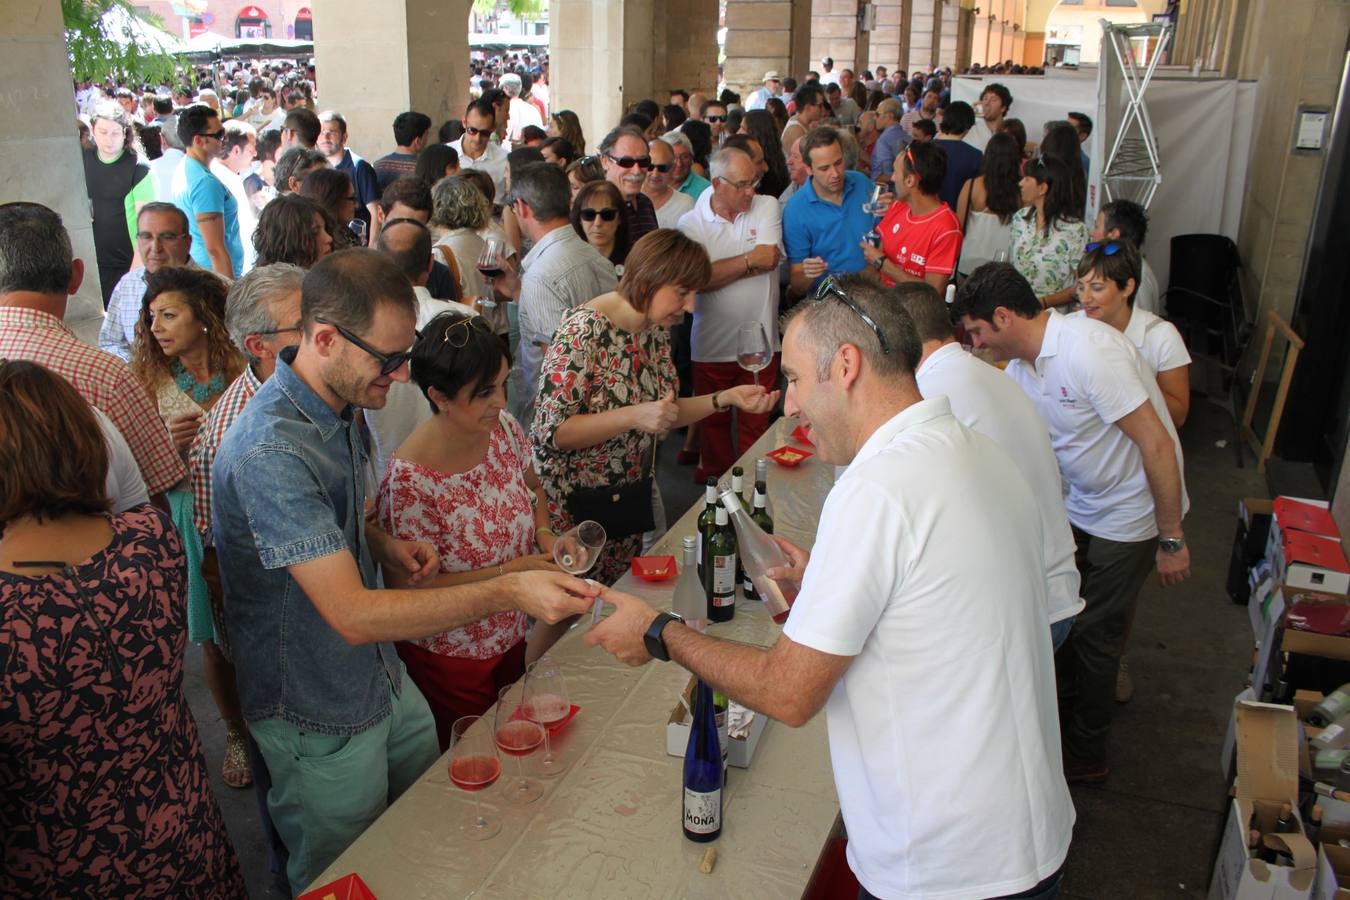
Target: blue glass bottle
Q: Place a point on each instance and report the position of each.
(703, 771)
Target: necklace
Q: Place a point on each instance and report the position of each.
(192, 387)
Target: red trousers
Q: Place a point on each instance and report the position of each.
(459, 687)
(717, 450)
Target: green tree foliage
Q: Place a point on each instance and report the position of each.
(521, 9)
(111, 39)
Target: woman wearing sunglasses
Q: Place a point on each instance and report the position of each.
(464, 481)
(597, 216)
(1049, 233)
(608, 390)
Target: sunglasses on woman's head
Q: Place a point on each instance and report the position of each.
(1110, 248)
(457, 333)
(606, 215)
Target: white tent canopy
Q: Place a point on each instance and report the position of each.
(125, 28)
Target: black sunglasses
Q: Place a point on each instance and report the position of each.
(662, 167)
(627, 162)
(469, 129)
(828, 288)
(1110, 248)
(215, 135)
(389, 362)
(606, 215)
(716, 118)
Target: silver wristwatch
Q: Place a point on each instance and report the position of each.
(1171, 545)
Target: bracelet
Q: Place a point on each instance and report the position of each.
(546, 530)
(748, 270)
(500, 571)
(717, 407)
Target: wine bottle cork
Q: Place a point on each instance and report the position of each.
(709, 860)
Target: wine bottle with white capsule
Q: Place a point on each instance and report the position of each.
(760, 514)
(719, 570)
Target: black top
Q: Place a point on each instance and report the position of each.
(109, 184)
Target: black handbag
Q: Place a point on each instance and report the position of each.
(622, 509)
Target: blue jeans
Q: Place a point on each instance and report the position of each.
(1046, 890)
(1059, 631)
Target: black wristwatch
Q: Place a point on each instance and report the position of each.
(878, 263)
(656, 645)
(1171, 545)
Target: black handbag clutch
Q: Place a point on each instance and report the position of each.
(622, 509)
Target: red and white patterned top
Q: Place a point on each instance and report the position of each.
(476, 520)
(103, 380)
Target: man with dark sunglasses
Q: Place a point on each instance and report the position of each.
(342, 730)
(625, 159)
(476, 149)
(660, 185)
(714, 113)
(213, 213)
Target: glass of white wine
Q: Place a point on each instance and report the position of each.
(752, 348)
(577, 548)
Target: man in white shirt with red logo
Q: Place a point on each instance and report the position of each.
(743, 234)
(920, 236)
(1121, 463)
(919, 625)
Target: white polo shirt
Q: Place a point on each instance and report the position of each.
(944, 731)
(668, 214)
(1086, 378)
(984, 399)
(493, 162)
(1157, 340)
(718, 314)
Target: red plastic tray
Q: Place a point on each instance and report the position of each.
(655, 568)
(788, 456)
(799, 435)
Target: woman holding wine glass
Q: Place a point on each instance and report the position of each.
(608, 394)
(464, 481)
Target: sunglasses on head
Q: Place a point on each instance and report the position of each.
(389, 362)
(1110, 248)
(606, 215)
(457, 333)
(627, 162)
(828, 288)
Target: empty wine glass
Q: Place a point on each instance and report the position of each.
(547, 704)
(876, 209)
(359, 229)
(517, 736)
(752, 348)
(474, 767)
(577, 548)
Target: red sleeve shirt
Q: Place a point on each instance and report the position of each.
(921, 245)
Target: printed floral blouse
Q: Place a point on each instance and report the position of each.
(1048, 261)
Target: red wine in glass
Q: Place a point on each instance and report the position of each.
(474, 773)
(492, 272)
(519, 737)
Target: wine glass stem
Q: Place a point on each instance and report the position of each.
(478, 810)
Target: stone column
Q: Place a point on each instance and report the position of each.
(605, 56)
(889, 41)
(40, 161)
(834, 33)
(766, 36)
(949, 21)
(373, 65)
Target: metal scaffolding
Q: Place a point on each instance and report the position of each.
(1132, 168)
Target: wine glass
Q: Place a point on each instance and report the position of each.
(876, 209)
(546, 703)
(752, 348)
(490, 260)
(474, 766)
(577, 548)
(517, 736)
(358, 228)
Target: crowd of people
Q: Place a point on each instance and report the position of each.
(342, 409)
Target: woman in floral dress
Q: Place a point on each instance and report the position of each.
(609, 389)
(104, 790)
(1048, 236)
(464, 482)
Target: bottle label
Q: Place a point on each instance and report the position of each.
(702, 812)
(724, 580)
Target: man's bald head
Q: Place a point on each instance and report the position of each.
(408, 243)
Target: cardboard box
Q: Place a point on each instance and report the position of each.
(1267, 778)
(1333, 873)
(1326, 645)
(742, 749)
(1304, 546)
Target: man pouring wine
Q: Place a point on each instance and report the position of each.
(918, 623)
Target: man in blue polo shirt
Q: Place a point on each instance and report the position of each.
(824, 220)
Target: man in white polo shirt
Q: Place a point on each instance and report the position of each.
(1121, 463)
(919, 625)
(987, 401)
(743, 234)
(475, 148)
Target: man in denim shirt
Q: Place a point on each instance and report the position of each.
(342, 731)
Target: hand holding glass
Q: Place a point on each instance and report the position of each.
(752, 348)
(490, 261)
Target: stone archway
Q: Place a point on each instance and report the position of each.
(1083, 15)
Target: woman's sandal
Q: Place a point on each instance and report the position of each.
(236, 770)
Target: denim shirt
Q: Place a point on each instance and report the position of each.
(290, 486)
